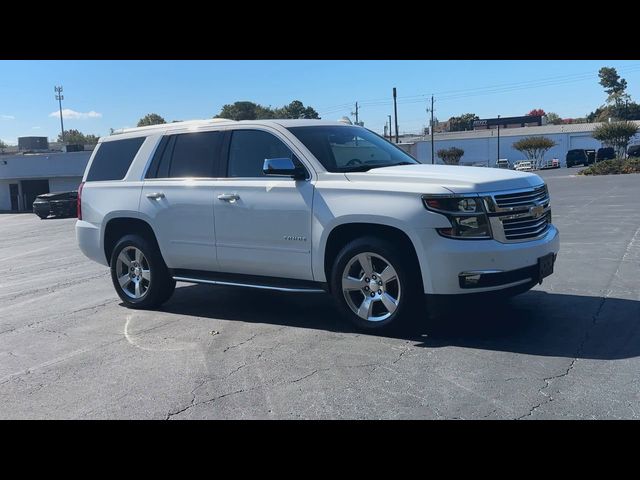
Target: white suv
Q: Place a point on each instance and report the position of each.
(307, 206)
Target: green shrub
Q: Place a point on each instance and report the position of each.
(613, 167)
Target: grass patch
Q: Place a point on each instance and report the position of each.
(613, 167)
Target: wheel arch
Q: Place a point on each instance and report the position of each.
(118, 226)
(344, 232)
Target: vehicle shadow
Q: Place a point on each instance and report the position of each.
(535, 323)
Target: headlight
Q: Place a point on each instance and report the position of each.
(467, 216)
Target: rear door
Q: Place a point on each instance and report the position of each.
(177, 197)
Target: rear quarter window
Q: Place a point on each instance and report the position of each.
(113, 159)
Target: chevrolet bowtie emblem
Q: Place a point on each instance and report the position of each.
(536, 211)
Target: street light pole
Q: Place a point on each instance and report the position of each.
(60, 97)
(390, 130)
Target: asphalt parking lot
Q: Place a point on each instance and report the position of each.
(570, 348)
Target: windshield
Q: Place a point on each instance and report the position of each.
(350, 149)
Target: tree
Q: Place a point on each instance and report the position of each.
(534, 148)
(553, 118)
(254, 111)
(296, 109)
(450, 156)
(616, 135)
(463, 122)
(612, 83)
(74, 136)
(2, 146)
(151, 119)
(536, 112)
(245, 111)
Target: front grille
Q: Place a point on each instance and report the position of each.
(520, 216)
(526, 227)
(522, 199)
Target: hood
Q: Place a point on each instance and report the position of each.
(454, 178)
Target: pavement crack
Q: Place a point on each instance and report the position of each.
(191, 404)
(549, 380)
(241, 343)
(306, 376)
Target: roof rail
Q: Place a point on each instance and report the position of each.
(177, 124)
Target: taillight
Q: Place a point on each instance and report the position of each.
(80, 201)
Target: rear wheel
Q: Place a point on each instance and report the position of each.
(375, 286)
(139, 274)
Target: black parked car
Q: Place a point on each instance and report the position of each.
(58, 204)
(633, 151)
(580, 156)
(606, 153)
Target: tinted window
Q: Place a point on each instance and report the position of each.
(250, 148)
(349, 149)
(194, 154)
(152, 171)
(113, 159)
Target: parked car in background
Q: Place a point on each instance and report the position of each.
(503, 163)
(523, 166)
(633, 151)
(58, 204)
(606, 153)
(580, 156)
(548, 164)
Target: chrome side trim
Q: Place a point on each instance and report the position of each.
(478, 272)
(249, 285)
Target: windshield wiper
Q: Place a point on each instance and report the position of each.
(366, 168)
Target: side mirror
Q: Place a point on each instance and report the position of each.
(283, 167)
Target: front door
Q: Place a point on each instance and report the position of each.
(177, 197)
(263, 224)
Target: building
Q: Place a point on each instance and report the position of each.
(509, 122)
(25, 176)
(481, 146)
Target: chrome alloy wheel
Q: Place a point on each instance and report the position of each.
(132, 271)
(371, 287)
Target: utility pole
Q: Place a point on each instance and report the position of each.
(60, 97)
(395, 112)
(498, 141)
(433, 155)
(356, 113)
(390, 129)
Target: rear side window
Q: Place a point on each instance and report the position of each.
(186, 155)
(113, 159)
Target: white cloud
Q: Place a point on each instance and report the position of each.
(7, 117)
(36, 128)
(73, 115)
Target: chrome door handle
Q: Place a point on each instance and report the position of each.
(155, 195)
(229, 197)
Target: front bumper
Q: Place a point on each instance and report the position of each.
(509, 264)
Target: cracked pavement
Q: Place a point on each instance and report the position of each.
(569, 348)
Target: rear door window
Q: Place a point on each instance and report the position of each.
(113, 159)
(187, 155)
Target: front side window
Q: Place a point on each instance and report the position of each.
(250, 148)
(350, 149)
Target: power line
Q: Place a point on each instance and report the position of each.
(490, 89)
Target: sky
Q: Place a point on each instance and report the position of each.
(99, 95)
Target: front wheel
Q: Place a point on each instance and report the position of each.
(376, 286)
(139, 274)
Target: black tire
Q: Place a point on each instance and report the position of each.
(410, 306)
(160, 285)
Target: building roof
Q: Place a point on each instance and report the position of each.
(512, 132)
(43, 165)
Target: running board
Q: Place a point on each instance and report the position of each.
(248, 281)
